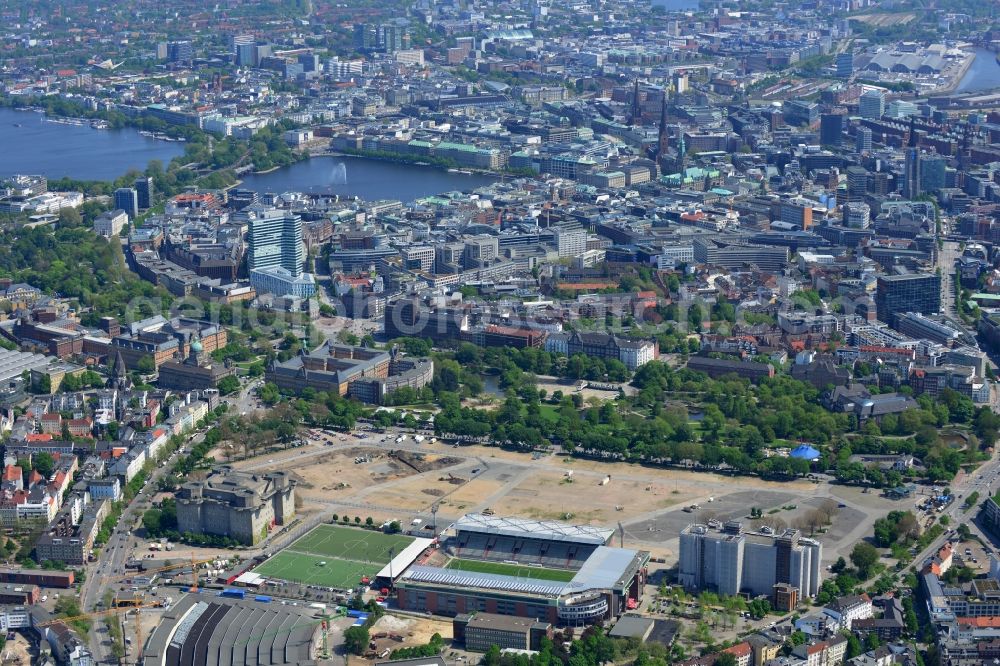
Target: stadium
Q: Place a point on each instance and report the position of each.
(559, 573)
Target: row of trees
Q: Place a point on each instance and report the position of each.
(738, 420)
(593, 647)
(539, 362)
(642, 428)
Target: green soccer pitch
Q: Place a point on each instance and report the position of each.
(349, 554)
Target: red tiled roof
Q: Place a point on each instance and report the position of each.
(739, 650)
(984, 622)
(194, 196)
(887, 350)
(509, 330)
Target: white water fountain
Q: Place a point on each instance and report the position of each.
(339, 176)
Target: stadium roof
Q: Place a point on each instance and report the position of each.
(607, 568)
(539, 529)
(483, 580)
(404, 558)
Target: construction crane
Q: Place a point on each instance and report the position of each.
(194, 575)
(90, 616)
(183, 563)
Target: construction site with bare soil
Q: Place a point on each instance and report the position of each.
(424, 483)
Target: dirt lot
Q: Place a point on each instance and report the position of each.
(550, 495)
(648, 501)
(412, 631)
(418, 492)
(472, 478)
(17, 651)
(473, 492)
(339, 472)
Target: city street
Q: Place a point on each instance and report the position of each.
(984, 481)
(106, 573)
(949, 253)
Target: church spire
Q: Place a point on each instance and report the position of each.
(119, 374)
(663, 143)
(636, 111)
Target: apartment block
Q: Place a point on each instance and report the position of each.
(732, 561)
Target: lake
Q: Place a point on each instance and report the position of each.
(32, 145)
(983, 74)
(363, 177)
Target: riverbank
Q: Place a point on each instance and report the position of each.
(194, 142)
(955, 81)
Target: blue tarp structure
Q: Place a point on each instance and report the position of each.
(805, 452)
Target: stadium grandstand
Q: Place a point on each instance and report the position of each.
(539, 543)
(551, 571)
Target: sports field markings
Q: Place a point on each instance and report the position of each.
(515, 570)
(349, 553)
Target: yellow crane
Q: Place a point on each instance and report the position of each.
(183, 563)
(92, 615)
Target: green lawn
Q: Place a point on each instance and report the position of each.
(351, 543)
(515, 570)
(302, 568)
(549, 412)
(349, 553)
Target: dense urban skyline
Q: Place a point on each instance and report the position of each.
(518, 333)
